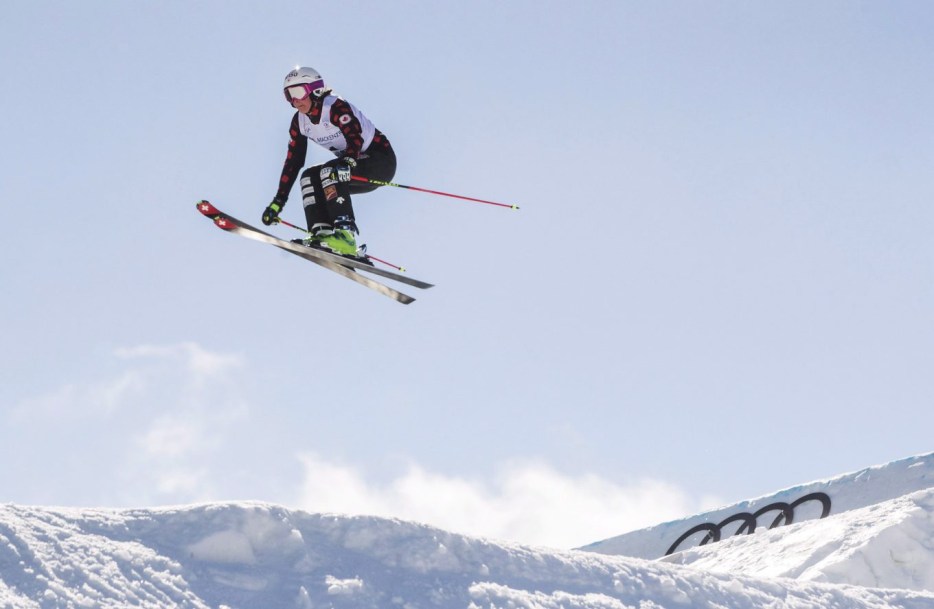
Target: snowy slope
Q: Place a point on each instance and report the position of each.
(246, 556)
(841, 494)
(890, 544)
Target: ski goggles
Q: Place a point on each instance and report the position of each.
(302, 91)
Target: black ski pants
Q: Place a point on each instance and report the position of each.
(328, 202)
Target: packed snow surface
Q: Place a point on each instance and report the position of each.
(251, 555)
(867, 487)
(889, 545)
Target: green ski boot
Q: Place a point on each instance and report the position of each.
(341, 242)
(316, 236)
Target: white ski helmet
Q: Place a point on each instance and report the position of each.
(307, 78)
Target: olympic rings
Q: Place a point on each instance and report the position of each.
(786, 515)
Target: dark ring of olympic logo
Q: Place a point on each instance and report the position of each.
(786, 515)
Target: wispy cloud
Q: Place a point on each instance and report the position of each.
(159, 426)
(96, 399)
(184, 370)
(530, 502)
(169, 423)
(196, 359)
(171, 437)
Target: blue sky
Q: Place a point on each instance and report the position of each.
(719, 283)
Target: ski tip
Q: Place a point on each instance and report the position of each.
(224, 222)
(206, 208)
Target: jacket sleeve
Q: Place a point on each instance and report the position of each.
(343, 116)
(294, 161)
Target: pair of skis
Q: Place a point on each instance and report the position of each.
(345, 267)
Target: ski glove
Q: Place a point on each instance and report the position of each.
(344, 167)
(271, 214)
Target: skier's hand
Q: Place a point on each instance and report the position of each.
(271, 214)
(344, 167)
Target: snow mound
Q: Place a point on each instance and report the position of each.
(246, 556)
(810, 501)
(890, 544)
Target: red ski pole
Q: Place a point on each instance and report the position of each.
(289, 224)
(434, 192)
(401, 269)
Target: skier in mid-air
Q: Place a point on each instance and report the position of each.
(361, 149)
